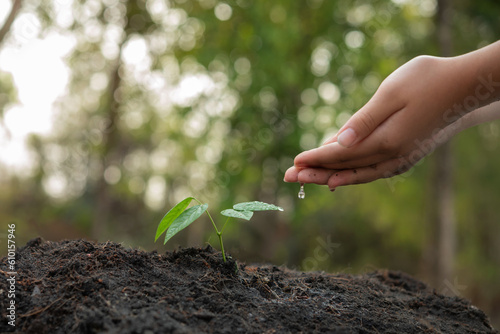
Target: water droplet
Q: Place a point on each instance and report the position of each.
(302, 193)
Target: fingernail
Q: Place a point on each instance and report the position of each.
(347, 137)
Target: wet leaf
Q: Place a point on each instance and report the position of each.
(171, 216)
(247, 215)
(256, 206)
(185, 219)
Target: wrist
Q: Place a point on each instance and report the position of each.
(483, 70)
(472, 81)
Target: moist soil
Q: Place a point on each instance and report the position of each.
(77, 286)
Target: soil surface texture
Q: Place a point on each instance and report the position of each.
(77, 286)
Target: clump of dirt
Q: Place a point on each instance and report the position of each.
(77, 286)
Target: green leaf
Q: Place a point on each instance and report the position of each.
(256, 206)
(186, 218)
(247, 215)
(171, 216)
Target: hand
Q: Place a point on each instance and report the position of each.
(408, 117)
(336, 178)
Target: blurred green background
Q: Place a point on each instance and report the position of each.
(160, 100)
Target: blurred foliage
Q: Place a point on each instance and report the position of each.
(8, 94)
(214, 99)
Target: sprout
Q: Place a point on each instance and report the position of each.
(180, 217)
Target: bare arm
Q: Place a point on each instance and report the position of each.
(417, 108)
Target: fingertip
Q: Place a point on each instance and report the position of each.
(347, 138)
(308, 159)
(291, 175)
(300, 160)
(314, 175)
(335, 180)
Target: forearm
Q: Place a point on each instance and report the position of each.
(481, 75)
(481, 115)
(488, 66)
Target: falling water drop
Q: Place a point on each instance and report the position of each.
(302, 193)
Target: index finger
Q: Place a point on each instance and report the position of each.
(335, 156)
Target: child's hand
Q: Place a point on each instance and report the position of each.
(334, 178)
(412, 113)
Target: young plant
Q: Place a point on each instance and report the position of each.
(180, 217)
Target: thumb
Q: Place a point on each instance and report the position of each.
(359, 126)
(365, 120)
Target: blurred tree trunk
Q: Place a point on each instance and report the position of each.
(109, 142)
(16, 7)
(442, 252)
(4, 30)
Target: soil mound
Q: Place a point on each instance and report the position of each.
(77, 286)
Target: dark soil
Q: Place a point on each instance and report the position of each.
(77, 286)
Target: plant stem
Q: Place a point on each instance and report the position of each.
(219, 234)
(213, 223)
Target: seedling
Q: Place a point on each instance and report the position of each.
(180, 217)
